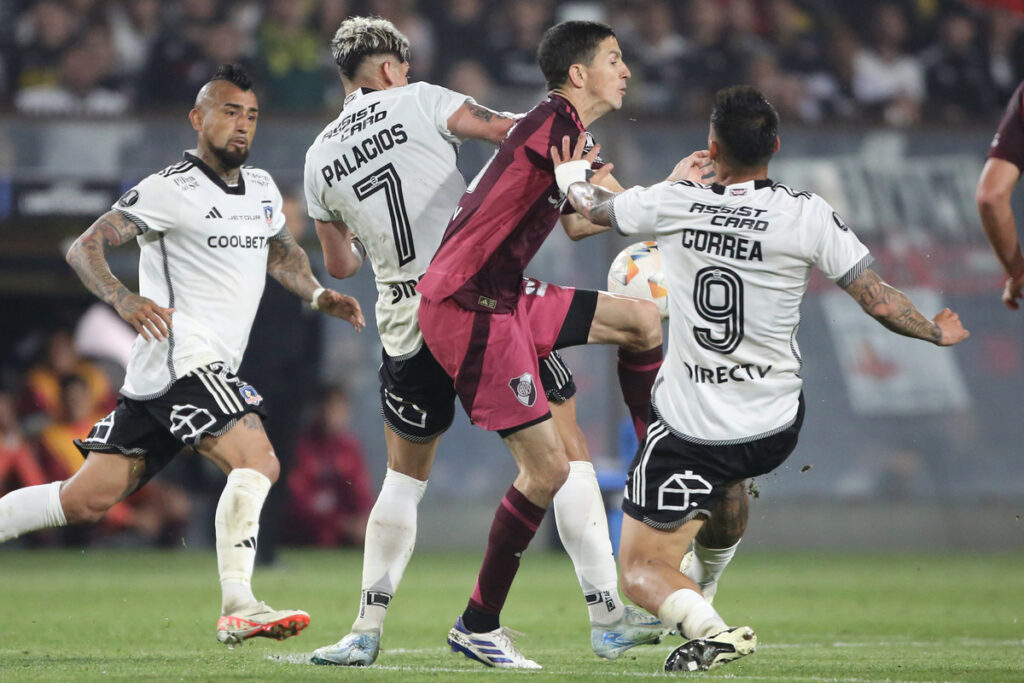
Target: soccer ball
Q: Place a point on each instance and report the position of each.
(636, 271)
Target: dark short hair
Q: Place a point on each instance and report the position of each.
(568, 43)
(746, 125)
(235, 74)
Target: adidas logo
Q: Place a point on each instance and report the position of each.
(214, 213)
(247, 543)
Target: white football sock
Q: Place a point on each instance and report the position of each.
(390, 540)
(689, 612)
(30, 509)
(583, 527)
(237, 525)
(711, 562)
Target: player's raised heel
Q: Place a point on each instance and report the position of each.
(636, 627)
(355, 649)
(701, 654)
(493, 648)
(260, 620)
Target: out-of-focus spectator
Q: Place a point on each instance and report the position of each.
(798, 36)
(715, 59)
(60, 360)
(290, 54)
(134, 27)
(828, 91)
(655, 56)
(514, 42)
(80, 89)
(461, 28)
(176, 57)
(406, 17)
(471, 78)
(18, 464)
(75, 416)
(42, 35)
(1004, 45)
(330, 485)
(887, 80)
(957, 73)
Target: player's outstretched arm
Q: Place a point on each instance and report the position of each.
(343, 252)
(288, 264)
(583, 187)
(995, 187)
(471, 121)
(88, 259)
(895, 311)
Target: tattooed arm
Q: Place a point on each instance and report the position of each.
(288, 264)
(480, 123)
(896, 312)
(86, 256)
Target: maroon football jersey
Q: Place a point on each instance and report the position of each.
(505, 215)
(1008, 144)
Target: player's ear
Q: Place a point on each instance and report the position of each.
(713, 148)
(195, 117)
(778, 144)
(577, 75)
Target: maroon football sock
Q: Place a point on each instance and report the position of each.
(637, 370)
(514, 525)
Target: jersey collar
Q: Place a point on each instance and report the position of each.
(751, 185)
(567, 107)
(356, 94)
(216, 179)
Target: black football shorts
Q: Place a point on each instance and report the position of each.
(208, 401)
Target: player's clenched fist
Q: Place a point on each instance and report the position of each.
(951, 329)
(148, 318)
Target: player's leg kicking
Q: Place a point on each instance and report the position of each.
(717, 541)
(134, 442)
(391, 529)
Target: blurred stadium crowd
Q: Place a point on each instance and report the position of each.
(894, 62)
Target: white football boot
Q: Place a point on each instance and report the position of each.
(493, 648)
(355, 649)
(260, 620)
(701, 654)
(636, 627)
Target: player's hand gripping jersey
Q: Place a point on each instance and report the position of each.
(387, 168)
(509, 209)
(737, 261)
(203, 252)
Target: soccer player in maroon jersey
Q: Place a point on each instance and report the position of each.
(488, 337)
(995, 187)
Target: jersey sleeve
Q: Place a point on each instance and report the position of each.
(1008, 143)
(440, 104)
(312, 185)
(153, 204)
(635, 211)
(838, 253)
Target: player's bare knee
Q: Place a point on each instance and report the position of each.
(84, 507)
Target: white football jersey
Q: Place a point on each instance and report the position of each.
(203, 252)
(737, 260)
(387, 168)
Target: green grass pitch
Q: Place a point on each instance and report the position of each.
(127, 615)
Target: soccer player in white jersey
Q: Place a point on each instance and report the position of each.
(728, 403)
(209, 231)
(383, 176)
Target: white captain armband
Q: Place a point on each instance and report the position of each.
(316, 296)
(572, 172)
